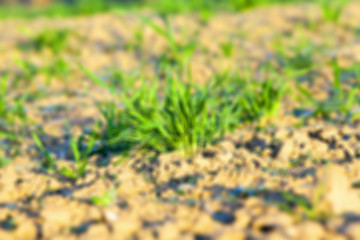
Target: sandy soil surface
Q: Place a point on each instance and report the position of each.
(285, 180)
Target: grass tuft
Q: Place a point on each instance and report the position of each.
(332, 9)
(49, 162)
(178, 53)
(184, 116)
(54, 39)
(340, 102)
(81, 160)
(182, 119)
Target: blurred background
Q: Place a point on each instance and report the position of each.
(53, 8)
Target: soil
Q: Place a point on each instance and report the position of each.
(283, 180)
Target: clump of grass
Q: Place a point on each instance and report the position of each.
(81, 160)
(254, 98)
(227, 49)
(262, 99)
(27, 72)
(182, 120)
(305, 208)
(54, 39)
(137, 41)
(340, 101)
(302, 58)
(13, 120)
(48, 162)
(186, 117)
(205, 15)
(9, 113)
(332, 10)
(4, 161)
(80, 156)
(299, 57)
(116, 81)
(3, 101)
(178, 53)
(57, 68)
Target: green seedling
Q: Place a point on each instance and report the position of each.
(59, 68)
(9, 113)
(300, 202)
(302, 58)
(54, 39)
(18, 109)
(289, 202)
(291, 199)
(308, 209)
(227, 49)
(299, 57)
(122, 80)
(27, 69)
(178, 53)
(116, 80)
(81, 160)
(3, 101)
(113, 118)
(4, 161)
(262, 99)
(137, 41)
(49, 162)
(332, 9)
(255, 98)
(205, 16)
(340, 102)
(106, 199)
